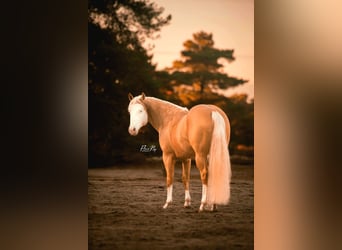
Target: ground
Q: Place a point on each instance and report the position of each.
(125, 211)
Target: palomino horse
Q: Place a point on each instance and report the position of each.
(201, 133)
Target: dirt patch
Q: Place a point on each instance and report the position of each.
(125, 211)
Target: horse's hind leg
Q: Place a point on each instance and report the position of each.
(202, 165)
(186, 164)
(169, 164)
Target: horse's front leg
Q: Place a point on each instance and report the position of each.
(186, 164)
(169, 164)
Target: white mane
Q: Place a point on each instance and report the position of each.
(169, 103)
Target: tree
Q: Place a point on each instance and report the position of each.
(130, 21)
(199, 70)
(118, 63)
(117, 32)
(241, 116)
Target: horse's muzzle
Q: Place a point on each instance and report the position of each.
(133, 131)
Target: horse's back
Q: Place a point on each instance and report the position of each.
(200, 126)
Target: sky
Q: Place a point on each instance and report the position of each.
(230, 21)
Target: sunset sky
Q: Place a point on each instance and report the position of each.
(230, 21)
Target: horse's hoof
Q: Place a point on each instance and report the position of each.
(207, 208)
(166, 205)
(187, 204)
(201, 208)
(212, 208)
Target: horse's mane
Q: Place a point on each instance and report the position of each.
(166, 103)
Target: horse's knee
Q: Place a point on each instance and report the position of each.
(185, 183)
(169, 181)
(185, 179)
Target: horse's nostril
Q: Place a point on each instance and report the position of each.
(132, 130)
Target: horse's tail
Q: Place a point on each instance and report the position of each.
(219, 171)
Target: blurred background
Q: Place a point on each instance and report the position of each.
(298, 117)
(159, 48)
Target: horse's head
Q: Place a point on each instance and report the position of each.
(138, 113)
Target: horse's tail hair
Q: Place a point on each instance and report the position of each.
(219, 170)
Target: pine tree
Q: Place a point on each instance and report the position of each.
(199, 70)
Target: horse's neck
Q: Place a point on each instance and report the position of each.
(161, 113)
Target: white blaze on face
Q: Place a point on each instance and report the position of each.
(138, 118)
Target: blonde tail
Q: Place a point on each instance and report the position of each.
(219, 170)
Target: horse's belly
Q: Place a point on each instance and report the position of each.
(180, 142)
(183, 151)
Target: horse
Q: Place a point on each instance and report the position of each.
(201, 133)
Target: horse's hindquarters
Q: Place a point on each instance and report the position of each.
(200, 129)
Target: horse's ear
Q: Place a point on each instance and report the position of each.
(130, 97)
(142, 96)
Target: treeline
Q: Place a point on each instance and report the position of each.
(118, 63)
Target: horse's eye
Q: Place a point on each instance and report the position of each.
(140, 111)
